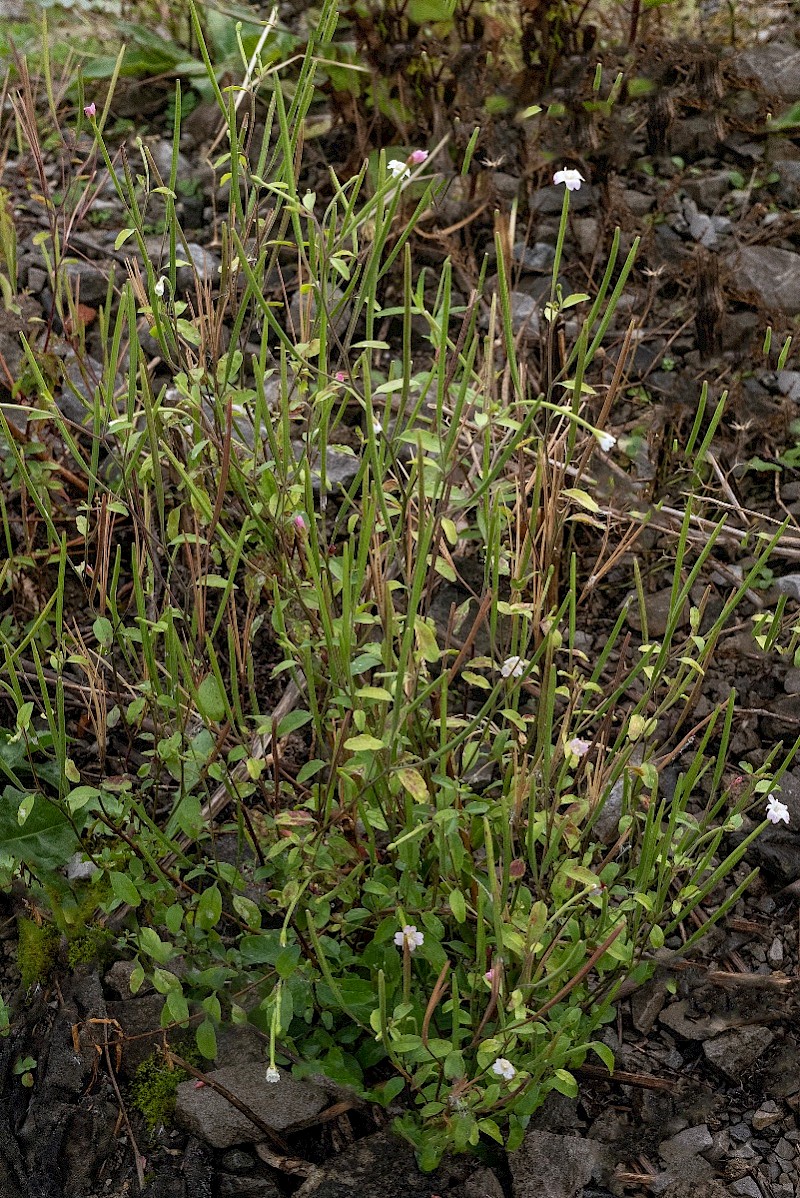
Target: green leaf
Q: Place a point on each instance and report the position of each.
(293, 721)
(565, 1083)
(426, 640)
(364, 743)
(210, 700)
(151, 943)
(787, 120)
(206, 1038)
(209, 909)
(103, 629)
(247, 910)
(80, 796)
(45, 840)
(604, 1053)
(457, 905)
(165, 981)
(178, 1006)
(124, 889)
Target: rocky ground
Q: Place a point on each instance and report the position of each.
(706, 1096)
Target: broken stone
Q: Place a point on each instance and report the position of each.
(690, 1142)
(524, 315)
(776, 66)
(735, 1052)
(381, 1166)
(206, 1114)
(773, 274)
(646, 1005)
(767, 1114)
(538, 258)
(747, 1187)
(553, 1166)
(789, 383)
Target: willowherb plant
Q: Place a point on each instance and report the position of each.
(477, 848)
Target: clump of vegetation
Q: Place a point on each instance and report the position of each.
(154, 1088)
(93, 944)
(472, 846)
(37, 950)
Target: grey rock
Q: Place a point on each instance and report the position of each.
(482, 1184)
(88, 282)
(777, 849)
(548, 200)
(789, 383)
(767, 1114)
(210, 1117)
(203, 264)
(303, 311)
(118, 978)
(639, 203)
(646, 1005)
(789, 584)
(740, 1132)
(690, 1142)
(247, 1187)
(775, 953)
(708, 188)
(37, 279)
(679, 1017)
(773, 274)
(140, 1020)
(340, 469)
(237, 1161)
(80, 376)
(506, 185)
(587, 234)
(553, 1166)
(776, 66)
(788, 187)
(606, 824)
(161, 152)
(524, 315)
(785, 1150)
(702, 229)
(657, 607)
(736, 1052)
(381, 1166)
(538, 258)
(747, 1187)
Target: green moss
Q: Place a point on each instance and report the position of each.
(89, 945)
(153, 1090)
(37, 946)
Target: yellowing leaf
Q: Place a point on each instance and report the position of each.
(364, 743)
(413, 781)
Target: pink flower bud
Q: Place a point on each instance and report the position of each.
(417, 157)
(340, 376)
(299, 523)
(90, 109)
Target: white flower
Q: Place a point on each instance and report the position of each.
(409, 938)
(513, 667)
(577, 747)
(273, 1075)
(159, 286)
(777, 812)
(606, 441)
(504, 1069)
(570, 177)
(398, 169)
